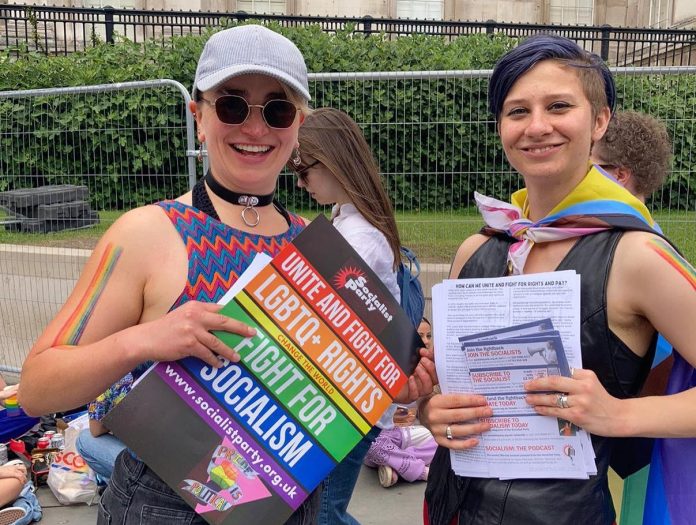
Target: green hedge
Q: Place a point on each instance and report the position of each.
(435, 165)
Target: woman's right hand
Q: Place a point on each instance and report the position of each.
(459, 412)
(186, 331)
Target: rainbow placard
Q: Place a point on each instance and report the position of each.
(249, 441)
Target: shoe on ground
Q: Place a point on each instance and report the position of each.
(10, 515)
(387, 476)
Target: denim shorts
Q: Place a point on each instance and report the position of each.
(136, 495)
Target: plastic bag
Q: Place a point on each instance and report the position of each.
(69, 477)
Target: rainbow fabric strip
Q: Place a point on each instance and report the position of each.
(73, 329)
(598, 203)
(663, 492)
(671, 482)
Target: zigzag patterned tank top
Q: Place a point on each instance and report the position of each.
(218, 254)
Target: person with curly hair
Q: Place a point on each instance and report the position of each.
(636, 150)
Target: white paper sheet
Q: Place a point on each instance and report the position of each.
(491, 335)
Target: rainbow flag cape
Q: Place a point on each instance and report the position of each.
(597, 203)
(672, 484)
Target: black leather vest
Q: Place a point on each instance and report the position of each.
(554, 502)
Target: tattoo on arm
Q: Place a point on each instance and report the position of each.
(73, 329)
(676, 261)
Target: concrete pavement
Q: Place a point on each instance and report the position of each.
(371, 504)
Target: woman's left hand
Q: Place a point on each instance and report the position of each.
(582, 400)
(422, 381)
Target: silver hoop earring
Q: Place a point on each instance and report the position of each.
(295, 158)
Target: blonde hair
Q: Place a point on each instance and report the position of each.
(301, 103)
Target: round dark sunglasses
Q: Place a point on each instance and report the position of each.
(234, 110)
(302, 172)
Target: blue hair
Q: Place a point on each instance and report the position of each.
(516, 62)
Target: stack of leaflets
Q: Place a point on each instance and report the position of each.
(249, 441)
(492, 336)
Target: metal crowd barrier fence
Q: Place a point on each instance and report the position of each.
(134, 143)
(106, 140)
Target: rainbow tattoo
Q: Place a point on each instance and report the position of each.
(73, 329)
(669, 254)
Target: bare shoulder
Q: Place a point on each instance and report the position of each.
(639, 252)
(464, 253)
(131, 254)
(143, 228)
(649, 279)
(140, 238)
(648, 270)
(144, 220)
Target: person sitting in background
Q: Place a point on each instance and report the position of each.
(407, 449)
(425, 331)
(636, 150)
(18, 503)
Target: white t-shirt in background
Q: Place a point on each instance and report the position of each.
(373, 247)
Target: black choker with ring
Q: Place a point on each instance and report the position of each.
(201, 200)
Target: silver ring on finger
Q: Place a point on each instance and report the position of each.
(562, 401)
(448, 433)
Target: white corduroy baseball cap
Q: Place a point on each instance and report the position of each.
(251, 49)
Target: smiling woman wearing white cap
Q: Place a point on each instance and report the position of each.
(149, 289)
